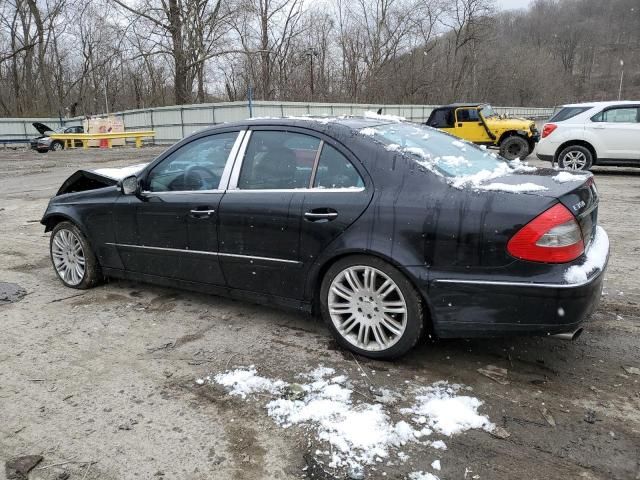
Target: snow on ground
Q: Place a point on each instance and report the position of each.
(359, 433)
(446, 412)
(120, 173)
(564, 177)
(422, 476)
(243, 382)
(596, 258)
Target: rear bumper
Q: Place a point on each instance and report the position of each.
(485, 308)
(546, 158)
(462, 305)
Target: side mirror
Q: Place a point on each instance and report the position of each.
(129, 185)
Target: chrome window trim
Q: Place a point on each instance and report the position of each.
(237, 164)
(203, 252)
(299, 190)
(224, 179)
(237, 167)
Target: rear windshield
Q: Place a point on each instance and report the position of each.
(565, 113)
(435, 150)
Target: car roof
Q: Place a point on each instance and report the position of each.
(353, 123)
(601, 104)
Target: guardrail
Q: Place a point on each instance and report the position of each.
(70, 138)
(175, 122)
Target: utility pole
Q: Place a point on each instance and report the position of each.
(311, 52)
(621, 77)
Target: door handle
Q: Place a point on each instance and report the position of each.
(599, 127)
(320, 214)
(201, 213)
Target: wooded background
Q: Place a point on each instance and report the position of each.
(78, 57)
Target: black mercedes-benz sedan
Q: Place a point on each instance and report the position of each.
(385, 228)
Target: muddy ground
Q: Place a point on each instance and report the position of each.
(101, 383)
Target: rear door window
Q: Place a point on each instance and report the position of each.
(618, 115)
(566, 113)
(277, 160)
(335, 171)
(441, 118)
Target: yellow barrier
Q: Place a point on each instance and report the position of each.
(70, 138)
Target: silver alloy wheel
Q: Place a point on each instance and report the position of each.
(57, 146)
(574, 160)
(367, 308)
(68, 257)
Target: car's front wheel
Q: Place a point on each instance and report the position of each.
(57, 146)
(371, 307)
(575, 157)
(514, 147)
(72, 257)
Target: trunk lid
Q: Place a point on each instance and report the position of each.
(576, 191)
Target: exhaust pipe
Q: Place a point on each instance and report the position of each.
(569, 335)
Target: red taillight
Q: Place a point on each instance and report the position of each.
(548, 129)
(554, 236)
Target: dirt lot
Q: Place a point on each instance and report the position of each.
(102, 383)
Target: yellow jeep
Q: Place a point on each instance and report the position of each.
(478, 123)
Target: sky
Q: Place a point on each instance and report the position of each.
(512, 4)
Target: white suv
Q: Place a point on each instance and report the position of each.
(598, 133)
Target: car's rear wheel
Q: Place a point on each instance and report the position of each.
(371, 307)
(57, 146)
(72, 257)
(514, 147)
(575, 157)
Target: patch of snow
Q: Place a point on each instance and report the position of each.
(519, 188)
(370, 132)
(420, 475)
(596, 258)
(455, 161)
(521, 166)
(439, 445)
(393, 147)
(322, 120)
(435, 464)
(360, 433)
(459, 144)
(391, 118)
(448, 413)
(564, 177)
(244, 381)
(120, 173)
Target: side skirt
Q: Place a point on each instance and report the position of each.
(237, 294)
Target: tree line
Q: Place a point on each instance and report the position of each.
(73, 57)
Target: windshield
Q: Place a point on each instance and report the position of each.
(436, 150)
(487, 111)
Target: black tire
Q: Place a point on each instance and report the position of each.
(56, 146)
(92, 274)
(413, 317)
(514, 147)
(575, 157)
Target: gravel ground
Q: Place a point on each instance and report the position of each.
(101, 383)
